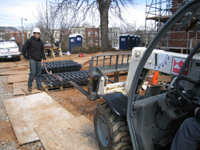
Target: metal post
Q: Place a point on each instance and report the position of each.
(22, 32)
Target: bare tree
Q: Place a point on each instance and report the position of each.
(128, 28)
(103, 7)
(51, 20)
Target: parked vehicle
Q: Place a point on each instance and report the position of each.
(8, 50)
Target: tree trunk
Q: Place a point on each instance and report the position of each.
(103, 9)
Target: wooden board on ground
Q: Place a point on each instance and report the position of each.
(29, 112)
(7, 65)
(22, 65)
(17, 88)
(17, 78)
(76, 133)
(5, 73)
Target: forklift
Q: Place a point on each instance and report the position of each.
(129, 120)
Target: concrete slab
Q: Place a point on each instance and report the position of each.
(29, 112)
(76, 133)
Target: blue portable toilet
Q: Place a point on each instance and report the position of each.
(136, 40)
(75, 41)
(133, 40)
(124, 42)
(139, 40)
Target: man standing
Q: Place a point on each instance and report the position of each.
(33, 50)
(57, 46)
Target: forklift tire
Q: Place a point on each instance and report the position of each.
(111, 130)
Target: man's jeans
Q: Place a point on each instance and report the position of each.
(35, 70)
(188, 135)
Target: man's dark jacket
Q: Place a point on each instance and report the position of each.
(33, 49)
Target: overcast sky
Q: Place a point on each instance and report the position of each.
(11, 12)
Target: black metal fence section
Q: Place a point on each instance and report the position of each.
(79, 77)
(110, 62)
(61, 66)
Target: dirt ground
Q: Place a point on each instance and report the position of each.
(70, 98)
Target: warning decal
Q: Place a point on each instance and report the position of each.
(78, 39)
(123, 39)
(177, 64)
(162, 61)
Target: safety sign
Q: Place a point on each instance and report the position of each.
(177, 64)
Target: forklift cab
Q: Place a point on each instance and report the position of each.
(154, 121)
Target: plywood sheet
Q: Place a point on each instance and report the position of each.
(22, 65)
(76, 133)
(5, 73)
(28, 112)
(17, 78)
(17, 88)
(7, 65)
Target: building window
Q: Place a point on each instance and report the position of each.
(18, 36)
(96, 34)
(78, 30)
(96, 42)
(89, 33)
(90, 41)
(29, 35)
(83, 31)
(74, 31)
(11, 35)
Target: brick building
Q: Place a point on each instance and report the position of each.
(92, 37)
(11, 33)
(183, 39)
(174, 40)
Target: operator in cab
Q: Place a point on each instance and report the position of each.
(188, 135)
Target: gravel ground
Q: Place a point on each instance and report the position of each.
(6, 92)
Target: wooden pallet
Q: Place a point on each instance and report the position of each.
(47, 88)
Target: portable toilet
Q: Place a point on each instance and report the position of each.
(133, 40)
(139, 40)
(136, 40)
(75, 41)
(124, 42)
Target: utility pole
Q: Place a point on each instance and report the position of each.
(22, 30)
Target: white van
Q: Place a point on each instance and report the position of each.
(9, 49)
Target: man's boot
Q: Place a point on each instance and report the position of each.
(40, 88)
(29, 89)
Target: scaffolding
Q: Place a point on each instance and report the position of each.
(157, 13)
